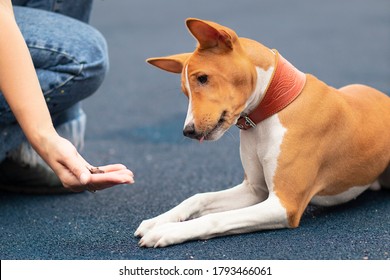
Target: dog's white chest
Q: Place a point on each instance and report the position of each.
(260, 149)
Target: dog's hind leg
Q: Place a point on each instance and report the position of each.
(205, 203)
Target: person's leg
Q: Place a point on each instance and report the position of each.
(71, 61)
(78, 9)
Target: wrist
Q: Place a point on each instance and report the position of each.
(43, 137)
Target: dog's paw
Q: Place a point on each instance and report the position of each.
(144, 227)
(163, 235)
(147, 225)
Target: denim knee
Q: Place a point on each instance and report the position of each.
(93, 64)
(70, 56)
(97, 67)
(77, 78)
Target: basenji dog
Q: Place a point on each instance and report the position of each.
(301, 141)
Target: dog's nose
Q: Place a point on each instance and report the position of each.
(189, 131)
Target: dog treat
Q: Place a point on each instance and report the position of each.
(95, 170)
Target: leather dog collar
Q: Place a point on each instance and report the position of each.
(286, 84)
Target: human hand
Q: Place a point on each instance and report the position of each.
(75, 172)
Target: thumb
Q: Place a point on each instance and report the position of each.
(80, 169)
(84, 177)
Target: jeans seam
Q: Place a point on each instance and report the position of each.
(70, 57)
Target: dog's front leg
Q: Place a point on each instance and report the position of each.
(240, 196)
(269, 214)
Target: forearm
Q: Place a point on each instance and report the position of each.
(18, 80)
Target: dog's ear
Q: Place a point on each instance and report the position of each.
(173, 63)
(210, 34)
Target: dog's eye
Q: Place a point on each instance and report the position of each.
(202, 79)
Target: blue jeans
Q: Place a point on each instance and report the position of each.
(69, 55)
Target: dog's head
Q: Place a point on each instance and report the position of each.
(217, 78)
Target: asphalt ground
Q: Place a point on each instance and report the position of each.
(137, 116)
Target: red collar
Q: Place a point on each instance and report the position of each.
(286, 84)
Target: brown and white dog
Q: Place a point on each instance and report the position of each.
(302, 141)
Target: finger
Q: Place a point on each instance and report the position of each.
(78, 167)
(113, 167)
(109, 179)
(85, 177)
(100, 181)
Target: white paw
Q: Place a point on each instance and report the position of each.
(147, 225)
(144, 227)
(164, 235)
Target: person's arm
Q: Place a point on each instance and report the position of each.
(20, 87)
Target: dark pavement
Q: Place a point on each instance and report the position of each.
(136, 118)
